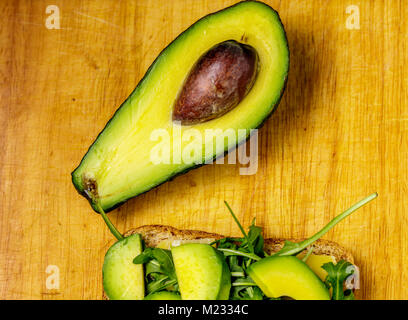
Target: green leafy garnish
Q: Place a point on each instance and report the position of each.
(244, 281)
(232, 252)
(248, 242)
(239, 254)
(160, 272)
(245, 292)
(256, 239)
(307, 255)
(293, 248)
(163, 258)
(336, 276)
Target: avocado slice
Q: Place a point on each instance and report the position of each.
(122, 279)
(316, 261)
(119, 165)
(202, 272)
(163, 295)
(287, 276)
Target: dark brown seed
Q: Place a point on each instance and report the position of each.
(217, 83)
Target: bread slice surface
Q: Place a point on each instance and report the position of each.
(153, 235)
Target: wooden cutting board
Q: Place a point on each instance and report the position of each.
(339, 134)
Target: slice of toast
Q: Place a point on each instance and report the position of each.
(154, 235)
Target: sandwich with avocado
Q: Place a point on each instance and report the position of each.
(163, 263)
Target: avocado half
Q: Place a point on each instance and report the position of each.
(118, 165)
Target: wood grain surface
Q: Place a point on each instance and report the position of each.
(339, 134)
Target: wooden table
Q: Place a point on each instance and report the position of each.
(339, 134)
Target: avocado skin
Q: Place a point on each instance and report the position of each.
(226, 278)
(77, 184)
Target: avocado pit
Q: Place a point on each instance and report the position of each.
(218, 82)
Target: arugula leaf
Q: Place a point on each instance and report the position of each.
(144, 257)
(152, 267)
(231, 252)
(258, 240)
(238, 260)
(163, 258)
(246, 293)
(252, 242)
(240, 253)
(234, 266)
(244, 281)
(292, 248)
(307, 255)
(227, 243)
(239, 226)
(160, 271)
(160, 284)
(336, 276)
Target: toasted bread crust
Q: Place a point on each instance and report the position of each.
(154, 234)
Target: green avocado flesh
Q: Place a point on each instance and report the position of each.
(287, 276)
(202, 272)
(122, 279)
(163, 295)
(119, 165)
